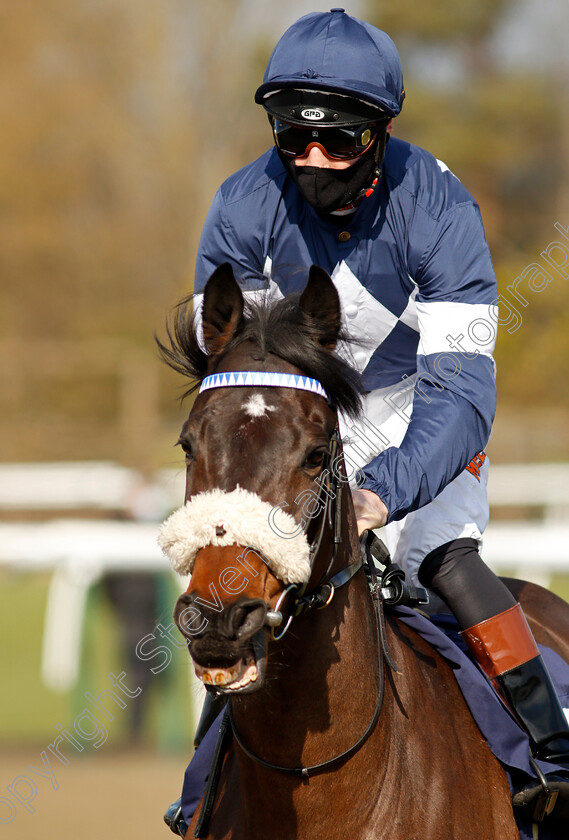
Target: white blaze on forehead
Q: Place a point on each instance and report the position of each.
(256, 406)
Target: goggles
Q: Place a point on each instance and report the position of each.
(342, 143)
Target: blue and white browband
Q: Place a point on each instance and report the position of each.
(262, 378)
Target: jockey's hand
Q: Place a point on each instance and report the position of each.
(370, 511)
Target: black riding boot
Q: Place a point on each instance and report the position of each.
(530, 694)
(505, 649)
(523, 682)
(502, 643)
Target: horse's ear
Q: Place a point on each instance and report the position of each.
(222, 309)
(321, 302)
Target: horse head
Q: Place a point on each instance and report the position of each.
(264, 471)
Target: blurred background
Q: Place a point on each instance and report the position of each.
(119, 120)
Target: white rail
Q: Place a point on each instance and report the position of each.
(80, 551)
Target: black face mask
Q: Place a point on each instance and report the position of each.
(330, 189)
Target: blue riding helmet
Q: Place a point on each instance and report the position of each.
(353, 67)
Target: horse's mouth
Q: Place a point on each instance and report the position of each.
(241, 677)
(244, 673)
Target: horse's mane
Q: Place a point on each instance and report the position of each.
(278, 328)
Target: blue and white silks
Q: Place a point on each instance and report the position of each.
(418, 290)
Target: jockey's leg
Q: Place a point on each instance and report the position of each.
(198, 769)
(501, 641)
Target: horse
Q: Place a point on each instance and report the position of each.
(345, 722)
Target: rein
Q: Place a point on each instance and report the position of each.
(324, 766)
(387, 587)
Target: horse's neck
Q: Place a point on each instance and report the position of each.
(318, 702)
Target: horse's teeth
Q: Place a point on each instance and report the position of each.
(229, 677)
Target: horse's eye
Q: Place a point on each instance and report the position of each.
(315, 459)
(187, 449)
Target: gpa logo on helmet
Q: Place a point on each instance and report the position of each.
(312, 114)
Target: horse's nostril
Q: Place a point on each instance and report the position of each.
(240, 620)
(188, 618)
(246, 618)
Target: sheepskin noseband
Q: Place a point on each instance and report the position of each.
(218, 518)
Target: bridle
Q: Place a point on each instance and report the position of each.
(329, 511)
(302, 599)
(328, 503)
(385, 587)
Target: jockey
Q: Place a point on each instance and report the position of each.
(404, 243)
